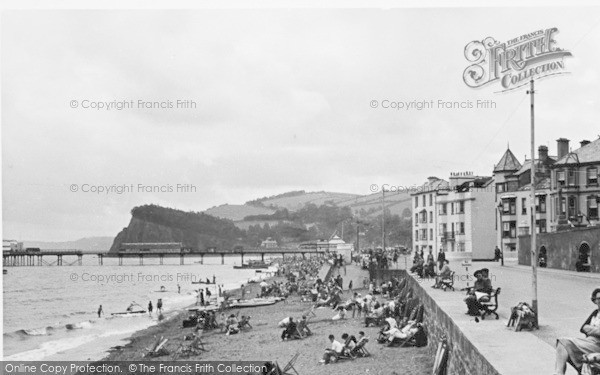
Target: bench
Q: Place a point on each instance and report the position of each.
(490, 306)
(447, 282)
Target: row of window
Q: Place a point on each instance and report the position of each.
(427, 235)
(455, 207)
(570, 177)
(569, 206)
(424, 200)
(509, 228)
(509, 205)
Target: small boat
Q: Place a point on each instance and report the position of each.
(136, 312)
(202, 282)
(255, 302)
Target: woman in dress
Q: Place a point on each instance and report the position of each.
(572, 350)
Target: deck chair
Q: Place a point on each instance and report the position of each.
(244, 322)
(417, 339)
(276, 370)
(311, 312)
(360, 350)
(158, 349)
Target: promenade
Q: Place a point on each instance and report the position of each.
(564, 304)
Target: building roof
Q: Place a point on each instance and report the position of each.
(589, 153)
(432, 185)
(508, 163)
(477, 183)
(542, 184)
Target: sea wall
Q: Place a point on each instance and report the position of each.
(463, 356)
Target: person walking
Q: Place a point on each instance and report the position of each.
(150, 308)
(178, 288)
(100, 311)
(201, 294)
(159, 306)
(350, 286)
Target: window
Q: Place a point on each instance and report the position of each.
(563, 206)
(431, 199)
(592, 176)
(571, 176)
(416, 235)
(442, 228)
(540, 204)
(500, 188)
(541, 225)
(453, 228)
(461, 207)
(416, 218)
(424, 203)
(424, 234)
(560, 178)
(572, 206)
(509, 229)
(444, 209)
(462, 228)
(524, 206)
(452, 208)
(416, 201)
(592, 207)
(431, 216)
(431, 234)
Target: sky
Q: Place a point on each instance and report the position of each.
(284, 101)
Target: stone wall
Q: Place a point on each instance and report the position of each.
(562, 248)
(463, 356)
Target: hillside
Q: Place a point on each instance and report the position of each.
(237, 212)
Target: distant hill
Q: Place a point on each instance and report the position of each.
(367, 206)
(85, 244)
(237, 212)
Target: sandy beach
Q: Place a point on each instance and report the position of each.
(263, 343)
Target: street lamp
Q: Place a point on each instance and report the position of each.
(499, 207)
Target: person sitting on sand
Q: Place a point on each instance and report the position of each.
(290, 330)
(349, 343)
(232, 325)
(333, 352)
(410, 329)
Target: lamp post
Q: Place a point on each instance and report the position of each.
(534, 299)
(499, 207)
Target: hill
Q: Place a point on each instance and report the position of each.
(237, 212)
(195, 230)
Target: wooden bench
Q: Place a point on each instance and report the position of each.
(489, 307)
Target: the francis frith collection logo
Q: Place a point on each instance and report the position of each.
(515, 62)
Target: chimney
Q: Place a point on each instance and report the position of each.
(543, 153)
(584, 142)
(562, 146)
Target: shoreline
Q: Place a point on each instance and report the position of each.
(262, 342)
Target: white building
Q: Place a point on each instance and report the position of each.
(339, 246)
(457, 216)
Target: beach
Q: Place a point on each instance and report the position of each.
(263, 343)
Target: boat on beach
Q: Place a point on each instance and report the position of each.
(254, 302)
(136, 312)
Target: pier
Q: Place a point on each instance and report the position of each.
(36, 258)
(40, 258)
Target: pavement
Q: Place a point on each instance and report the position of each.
(564, 304)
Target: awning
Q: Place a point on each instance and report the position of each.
(507, 196)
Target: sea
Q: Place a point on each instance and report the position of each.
(50, 312)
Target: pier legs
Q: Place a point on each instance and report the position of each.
(161, 259)
(201, 258)
(181, 261)
(120, 260)
(222, 258)
(141, 260)
(262, 256)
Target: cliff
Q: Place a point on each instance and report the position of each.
(197, 231)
